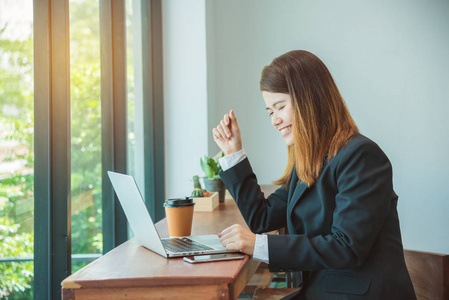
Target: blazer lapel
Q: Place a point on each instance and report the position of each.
(297, 190)
(300, 188)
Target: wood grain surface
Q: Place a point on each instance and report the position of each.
(131, 271)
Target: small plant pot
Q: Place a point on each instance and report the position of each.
(206, 203)
(215, 185)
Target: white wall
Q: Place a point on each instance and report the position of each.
(390, 61)
(185, 93)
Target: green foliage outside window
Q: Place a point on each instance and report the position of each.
(16, 278)
(85, 94)
(16, 189)
(16, 119)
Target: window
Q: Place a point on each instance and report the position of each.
(85, 128)
(131, 86)
(16, 149)
(72, 107)
(82, 128)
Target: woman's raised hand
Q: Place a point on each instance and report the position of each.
(227, 134)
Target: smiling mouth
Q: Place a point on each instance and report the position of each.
(284, 131)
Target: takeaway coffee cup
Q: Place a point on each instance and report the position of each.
(179, 213)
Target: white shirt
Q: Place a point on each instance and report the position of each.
(261, 245)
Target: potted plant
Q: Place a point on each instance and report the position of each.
(212, 180)
(204, 200)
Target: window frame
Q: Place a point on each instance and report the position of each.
(52, 199)
(52, 239)
(113, 117)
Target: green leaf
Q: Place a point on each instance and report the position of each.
(209, 167)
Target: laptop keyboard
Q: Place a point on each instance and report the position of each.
(183, 245)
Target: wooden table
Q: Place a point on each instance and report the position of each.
(132, 272)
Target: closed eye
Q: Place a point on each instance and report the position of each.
(271, 113)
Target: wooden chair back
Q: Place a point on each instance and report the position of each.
(429, 273)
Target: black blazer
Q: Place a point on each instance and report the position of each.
(344, 230)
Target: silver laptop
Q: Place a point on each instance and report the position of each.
(143, 227)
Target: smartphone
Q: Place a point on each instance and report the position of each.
(213, 257)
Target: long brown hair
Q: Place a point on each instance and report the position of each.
(321, 121)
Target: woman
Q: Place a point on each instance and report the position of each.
(336, 197)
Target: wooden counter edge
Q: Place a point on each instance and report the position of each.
(245, 272)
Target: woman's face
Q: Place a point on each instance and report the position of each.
(279, 107)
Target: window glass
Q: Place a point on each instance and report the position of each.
(16, 149)
(85, 79)
(130, 76)
(130, 85)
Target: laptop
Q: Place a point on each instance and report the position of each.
(143, 226)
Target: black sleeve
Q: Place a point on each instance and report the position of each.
(260, 214)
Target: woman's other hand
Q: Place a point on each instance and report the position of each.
(239, 238)
(227, 134)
